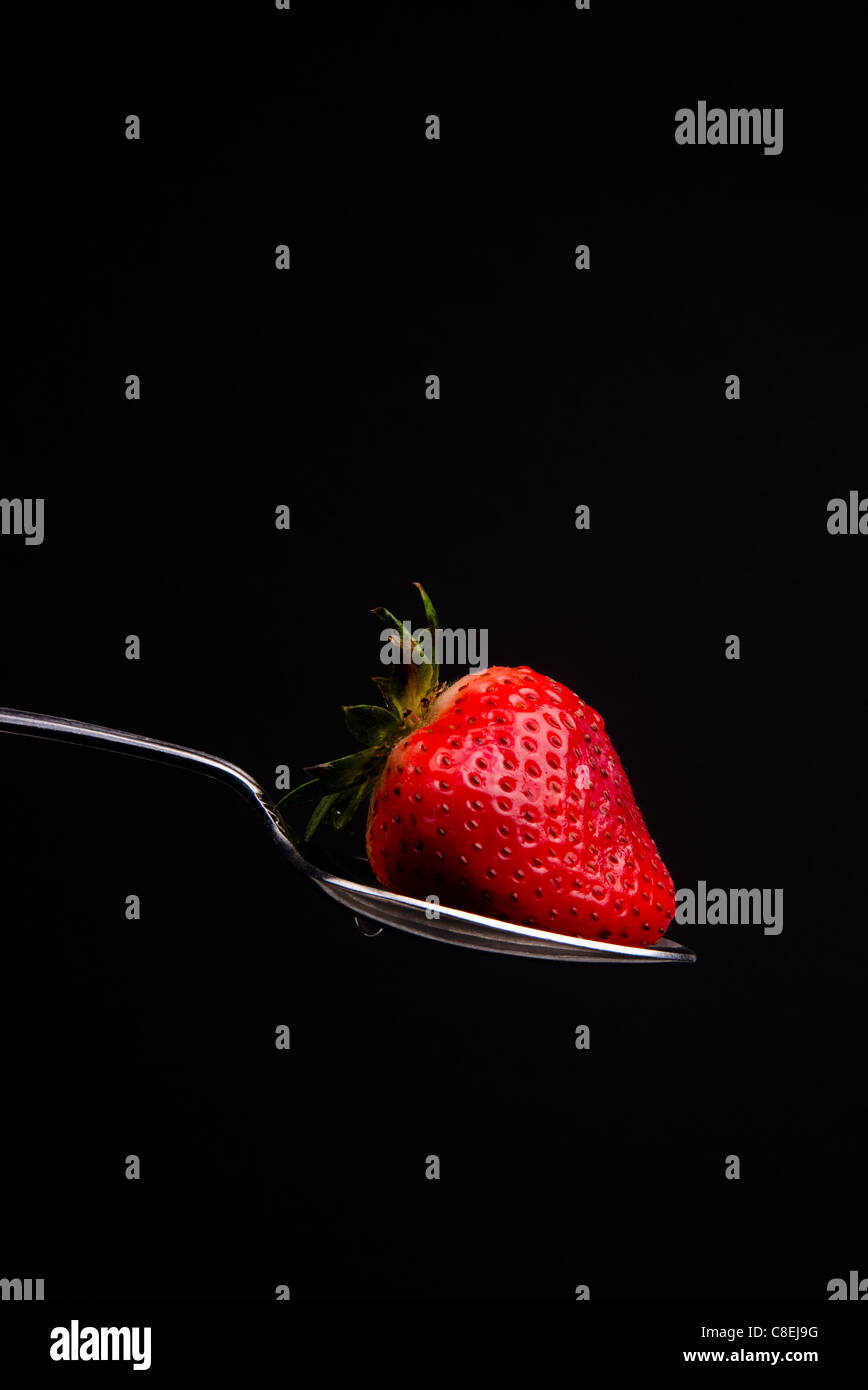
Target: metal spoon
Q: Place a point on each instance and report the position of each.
(437, 923)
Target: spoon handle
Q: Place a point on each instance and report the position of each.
(49, 726)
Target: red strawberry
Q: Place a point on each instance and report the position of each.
(502, 794)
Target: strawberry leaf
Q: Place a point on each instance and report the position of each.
(430, 614)
(415, 672)
(346, 772)
(384, 685)
(305, 791)
(369, 724)
(342, 817)
(321, 810)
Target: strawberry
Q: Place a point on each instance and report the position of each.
(500, 794)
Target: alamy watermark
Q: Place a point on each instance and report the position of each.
(847, 516)
(737, 126)
(449, 646)
(731, 907)
(854, 1289)
(22, 1290)
(23, 516)
(75, 1343)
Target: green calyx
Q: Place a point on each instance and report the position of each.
(338, 788)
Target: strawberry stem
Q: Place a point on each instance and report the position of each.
(341, 786)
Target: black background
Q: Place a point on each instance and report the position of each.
(708, 517)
